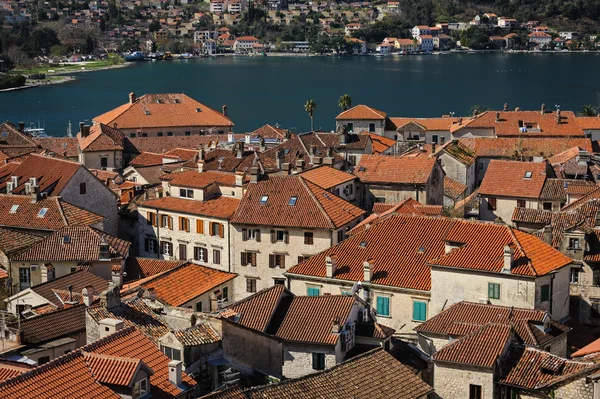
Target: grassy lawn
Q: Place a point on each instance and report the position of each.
(70, 67)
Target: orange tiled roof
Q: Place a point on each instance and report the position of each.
(269, 132)
(78, 280)
(15, 241)
(163, 111)
(565, 155)
(101, 138)
(429, 124)
(363, 112)
(481, 348)
(9, 369)
(220, 207)
(314, 207)
(453, 188)
(514, 148)
(160, 145)
(113, 370)
(594, 347)
(380, 143)
(187, 282)
(147, 159)
(402, 248)
(509, 179)
(63, 322)
(199, 334)
(588, 122)
(138, 268)
(460, 152)
(256, 311)
(59, 213)
(327, 177)
(66, 147)
(195, 179)
(394, 170)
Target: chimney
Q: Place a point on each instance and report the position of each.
(287, 135)
(117, 276)
(433, 148)
(287, 168)
(597, 219)
(175, 368)
(70, 300)
(254, 171)
(34, 193)
(240, 150)
(558, 116)
(517, 109)
(132, 98)
(261, 143)
(247, 138)
(505, 109)
(547, 235)
(239, 179)
(200, 166)
(368, 270)
(331, 265)
(214, 304)
(150, 293)
(343, 137)
(335, 325)
(279, 161)
(299, 165)
(543, 110)
(109, 326)
(497, 117)
(111, 298)
(201, 153)
(22, 127)
(508, 259)
(88, 295)
(313, 150)
(224, 108)
(459, 121)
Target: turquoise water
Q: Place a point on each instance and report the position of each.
(261, 90)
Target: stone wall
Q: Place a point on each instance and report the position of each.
(298, 360)
(454, 383)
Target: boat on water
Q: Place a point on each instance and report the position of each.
(155, 56)
(134, 56)
(167, 56)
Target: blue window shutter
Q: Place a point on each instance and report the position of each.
(386, 306)
(415, 311)
(313, 291)
(379, 305)
(419, 311)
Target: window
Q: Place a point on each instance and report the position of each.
(42, 212)
(383, 306)
(521, 203)
(43, 359)
(292, 201)
(434, 138)
(82, 188)
(184, 224)
(302, 258)
(491, 204)
(318, 361)
(280, 235)
(225, 295)
(24, 278)
(150, 244)
(250, 285)
(596, 277)
(264, 199)
(173, 354)
(352, 160)
(188, 133)
(140, 388)
(254, 234)
(350, 127)
(185, 193)
(201, 254)
(169, 134)
(340, 236)
(574, 275)
(249, 258)
(144, 134)
(216, 256)
(13, 209)
(547, 206)
(528, 175)
(199, 306)
(493, 291)
(132, 135)
(216, 229)
(308, 238)
(545, 293)
(442, 139)
(151, 218)
(103, 162)
(313, 291)
(574, 243)
(474, 391)
(480, 166)
(159, 134)
(380, 200)
(371, 128)
(276, 260)
(182, 252)
(279, 281)
(166, 248)
(419, 311)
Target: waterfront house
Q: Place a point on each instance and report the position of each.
(165, 115)
(245, 44)
(425, 43)
(352, 27)
(539, 39)
(100, 147)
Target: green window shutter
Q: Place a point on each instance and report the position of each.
(383, 306)
(493, 290)
(419, 311)
(311, 291)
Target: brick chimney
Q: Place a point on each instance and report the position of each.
(22, 127)
(368, 270)
(224, 109)
(175, 370)
(132, 98)
(330, 265)
(254, 173)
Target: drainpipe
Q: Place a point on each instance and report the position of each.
(158, 235)
(228, 246)
(552, 276)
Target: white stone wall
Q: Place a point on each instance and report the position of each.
(504, 208)
(453, 383)
(560, 293)
(459, 172)
(297, 359)
(92, 159)
(449, 286)
(177, 131)
(362, 125)
(205, 299)
(191, 239)
(98, 198)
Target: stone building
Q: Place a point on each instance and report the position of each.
(279, 223)
(100, 147)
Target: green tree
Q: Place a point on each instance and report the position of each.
(588, 110)
(41, 41)
(345, 102)
(310, 108)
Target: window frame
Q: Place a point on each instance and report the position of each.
(492, 204)
(416, 314)
(318, 361)
(494, 290)
(309, 238)
(383, 306)
(574, 273)
(545, 293)
(82, 188)
(251, 284)
(313, 291)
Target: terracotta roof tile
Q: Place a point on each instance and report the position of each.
(113, 370)
(195, 179)
(101, 138)
(147, 159)
(14, 241)
(327, 177)
(428, 124)
(220, 207)
(453, 188)
(514, 179)
(394, 170)
(269, 132)
(380, 143)
(557, 189)
(480, 348)
(164, 144)
(361, 112)
(589, 122)
(408, 206)
(256, 311)
(138, 268)
(10, 369)
(564, 156)
(11, 136)
(83, 245)
(64, 322)
(314, 207)
(535, 369)
(186, 282)
(514, 148)
(593, 347)
(66, 147)
(200, 334)
(78, 280)
(163, 111)
(460, 152)
(464, 318)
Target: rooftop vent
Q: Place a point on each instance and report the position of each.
(363, 244)
(198, 110)
(421, 250)
(147, 112)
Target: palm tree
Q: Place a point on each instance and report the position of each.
(310, 107)
(588, 110)
(345, 102)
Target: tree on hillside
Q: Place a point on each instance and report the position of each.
(310, 108)
(41, 41)
(345, 102)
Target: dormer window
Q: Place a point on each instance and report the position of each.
(13, 209)
(574, 243)
(140, 388)
(42, 212)
(176, 101)
(198, 110)
(147, 112)
(66, 239)
(264, 199)
(528, 175)
(292, 201)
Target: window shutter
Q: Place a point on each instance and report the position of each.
(386, 306)
(416, 311)
(244, 235)
(210, 228)
(257, 235)
(244, 259)
(187, 225)
(155, 246)
(286, 237)
(490, 290)
(147, 244)
(154, 219)
(199, 226)
(170, 222)
(379, 305)
(272, 261)
(253, 259)
(161, 222)
(180, 223)
(282, 261)
(273, 237)
(149, 217)
(221, 230)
